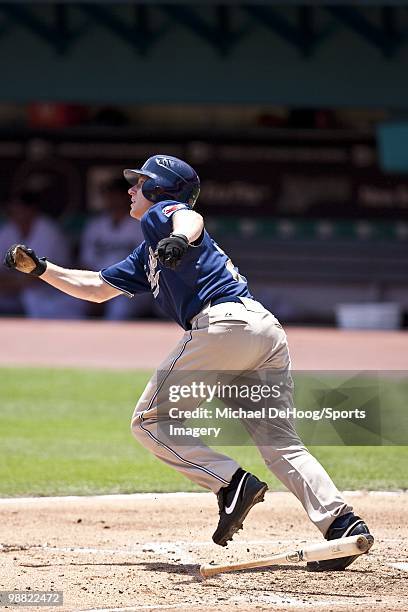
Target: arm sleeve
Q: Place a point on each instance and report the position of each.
(128, 275)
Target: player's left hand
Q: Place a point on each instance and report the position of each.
(20, 257)
(170, 250)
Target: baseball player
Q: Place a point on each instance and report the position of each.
(196, 284)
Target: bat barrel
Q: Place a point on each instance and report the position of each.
(365, 542)
(335, 549)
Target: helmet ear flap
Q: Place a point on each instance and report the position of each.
(156, 192)
(151, 191)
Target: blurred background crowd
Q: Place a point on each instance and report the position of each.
(296, 119)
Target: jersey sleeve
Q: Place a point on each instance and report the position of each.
(128, 275)
(157, 221)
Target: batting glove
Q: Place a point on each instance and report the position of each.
(22, 258)
(170, 250)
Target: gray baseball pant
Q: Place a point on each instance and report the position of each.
(237, 337)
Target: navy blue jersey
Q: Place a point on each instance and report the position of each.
(203, 274)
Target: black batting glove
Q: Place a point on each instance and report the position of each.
(170, 250)
(20, 257)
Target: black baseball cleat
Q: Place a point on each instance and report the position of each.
(234, 502)
(347, 525)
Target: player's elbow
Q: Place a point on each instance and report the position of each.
(198, 220)
(100, 295)
(98, 298)
(104, 292)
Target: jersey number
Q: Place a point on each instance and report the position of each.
(230, 266)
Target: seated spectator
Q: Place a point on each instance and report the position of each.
(26, 224)
(108, 238)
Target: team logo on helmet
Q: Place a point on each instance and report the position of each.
(164, 162)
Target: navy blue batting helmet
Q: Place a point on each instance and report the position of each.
(169, 178)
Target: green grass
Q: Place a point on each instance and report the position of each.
(67, 432)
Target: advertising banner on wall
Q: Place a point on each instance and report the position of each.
(292, 174)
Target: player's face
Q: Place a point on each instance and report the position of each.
(139, 204)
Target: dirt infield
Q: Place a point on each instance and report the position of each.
(143, 552)
(102, 344)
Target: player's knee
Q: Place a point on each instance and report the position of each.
(279, 455)
(135, 427)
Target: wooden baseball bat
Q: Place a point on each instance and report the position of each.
(332, 549)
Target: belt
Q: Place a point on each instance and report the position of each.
(214, 302)
(222, 300)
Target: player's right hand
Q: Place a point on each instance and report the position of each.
(170, 250)
(22, 258)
